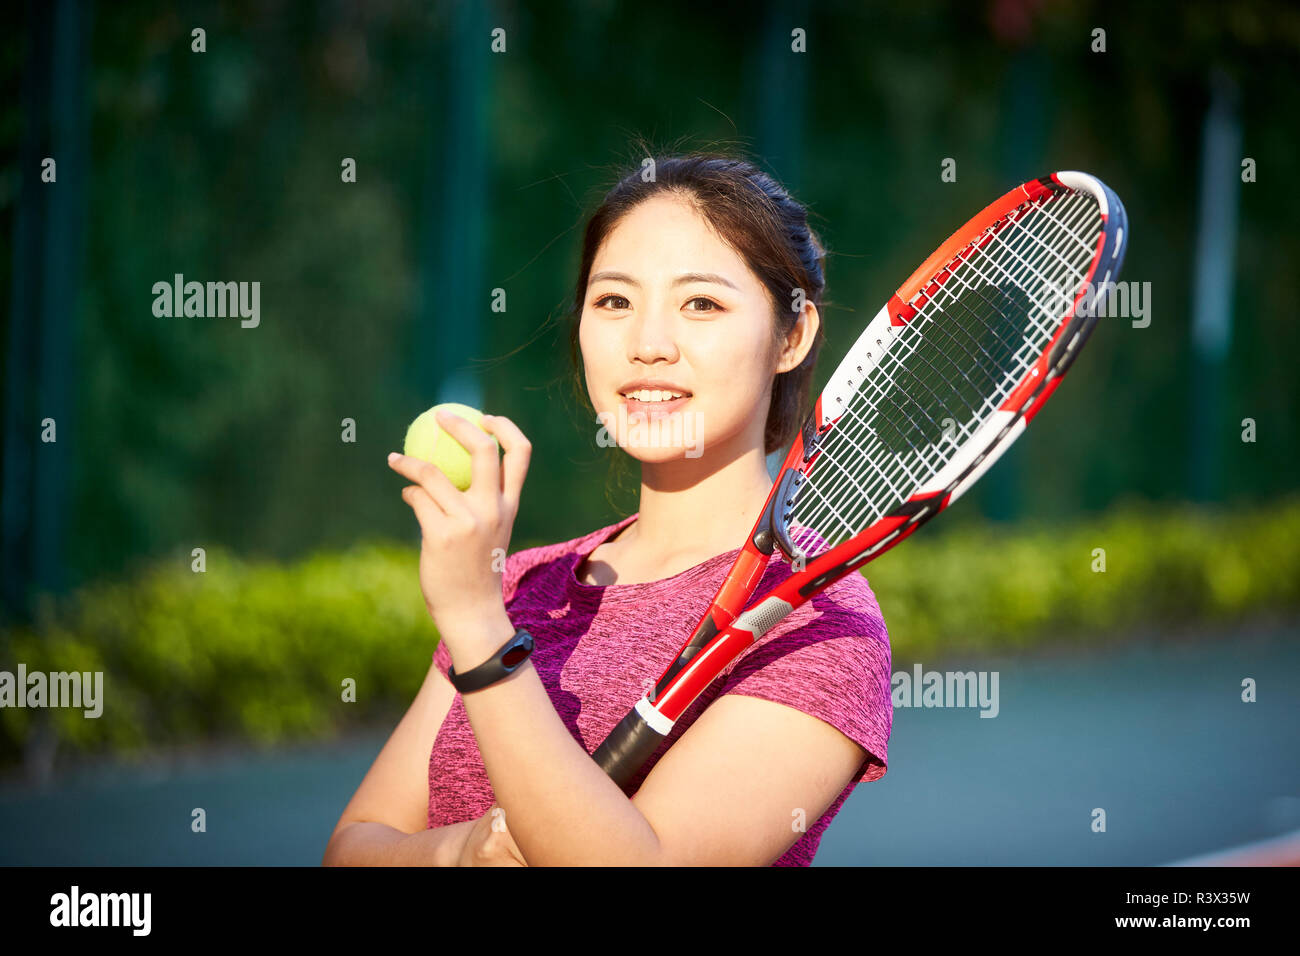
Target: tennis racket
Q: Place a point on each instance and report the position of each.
(940, 383)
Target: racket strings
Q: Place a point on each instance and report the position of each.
(904, 468)
(903, 465)
(939, 377)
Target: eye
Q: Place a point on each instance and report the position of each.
(708, 304)
(620, 302)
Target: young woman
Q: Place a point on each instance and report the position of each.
(697, 325)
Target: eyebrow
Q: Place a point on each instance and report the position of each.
(685, 279)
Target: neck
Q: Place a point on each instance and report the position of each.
(701, 507)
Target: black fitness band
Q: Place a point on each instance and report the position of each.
(501, 664)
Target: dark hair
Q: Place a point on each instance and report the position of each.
(768, 228)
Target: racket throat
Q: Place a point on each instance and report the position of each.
(771, 531)
(774, 525)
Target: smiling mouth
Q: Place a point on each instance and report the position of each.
(654, 396)
(654, 403)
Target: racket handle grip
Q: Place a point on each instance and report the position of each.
(629, 745)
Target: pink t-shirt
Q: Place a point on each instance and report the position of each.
(598, 649)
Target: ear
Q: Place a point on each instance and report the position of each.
(799, 339)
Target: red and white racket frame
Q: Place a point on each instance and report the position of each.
(726, 630)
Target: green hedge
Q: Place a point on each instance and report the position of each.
(990, 588)
(259, 651)
(252, 650)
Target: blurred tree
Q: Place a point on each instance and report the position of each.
(40, 427)
(224, 165)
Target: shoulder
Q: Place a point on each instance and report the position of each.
(829, 658)
(849, 606)
(839, 635)
(846, 609)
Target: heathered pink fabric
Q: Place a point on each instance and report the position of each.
(598, 648)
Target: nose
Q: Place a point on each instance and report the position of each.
(652, 338)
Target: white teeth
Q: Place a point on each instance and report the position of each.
(652, 395)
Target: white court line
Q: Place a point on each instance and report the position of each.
(1279, 851)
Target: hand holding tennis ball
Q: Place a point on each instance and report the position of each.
(426, 440)
(465, 533)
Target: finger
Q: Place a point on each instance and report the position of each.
(518, 451)
(426, 509)
(485, 463)
(430, 477)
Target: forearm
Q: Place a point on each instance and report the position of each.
(561, 808)
(364, 843)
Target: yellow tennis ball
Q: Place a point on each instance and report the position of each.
(426, 440)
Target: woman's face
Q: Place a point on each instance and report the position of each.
(676, 337)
